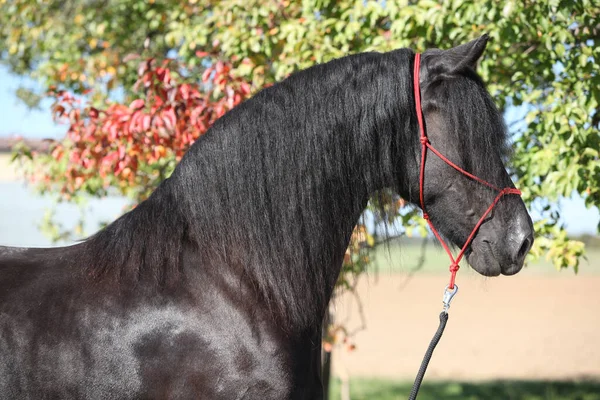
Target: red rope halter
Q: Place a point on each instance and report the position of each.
(426, 145)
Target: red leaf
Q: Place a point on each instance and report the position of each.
(171, 114)
(206, 75)
(169, 119)
(147, 79)
(137, 104)
(167, 77)
(160, 73)
(185, 91)
(134, 125)
(119, 167)
(113, 132)
(146, 123)
(245, 87)
(201, 54)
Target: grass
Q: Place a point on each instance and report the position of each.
(375, 389)
(402, 256)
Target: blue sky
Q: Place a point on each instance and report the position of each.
(18, 120)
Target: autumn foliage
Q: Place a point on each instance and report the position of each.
(136, 144)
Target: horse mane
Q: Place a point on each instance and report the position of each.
(266, 191)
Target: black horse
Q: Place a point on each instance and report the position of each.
(217, 285)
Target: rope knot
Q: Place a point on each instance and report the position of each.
(424, 140)
(425, 216)
(454, 267)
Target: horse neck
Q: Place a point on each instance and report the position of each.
(274, 189)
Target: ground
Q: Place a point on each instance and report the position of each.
(539, 324)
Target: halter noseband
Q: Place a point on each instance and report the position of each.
(426, 145)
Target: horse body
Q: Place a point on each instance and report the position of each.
(216, 286)
(62, 339)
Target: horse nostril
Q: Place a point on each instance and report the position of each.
(525, 246)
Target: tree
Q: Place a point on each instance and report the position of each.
(123, 71)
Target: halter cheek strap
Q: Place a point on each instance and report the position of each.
(425, 145)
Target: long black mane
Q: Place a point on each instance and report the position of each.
(264, 185)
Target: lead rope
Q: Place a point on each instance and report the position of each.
(448, 295)
(452, 288)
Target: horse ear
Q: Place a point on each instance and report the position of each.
(465, 55)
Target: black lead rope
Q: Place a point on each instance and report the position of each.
(428, 354)
(448, 295)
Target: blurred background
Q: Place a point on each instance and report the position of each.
(100, 99)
